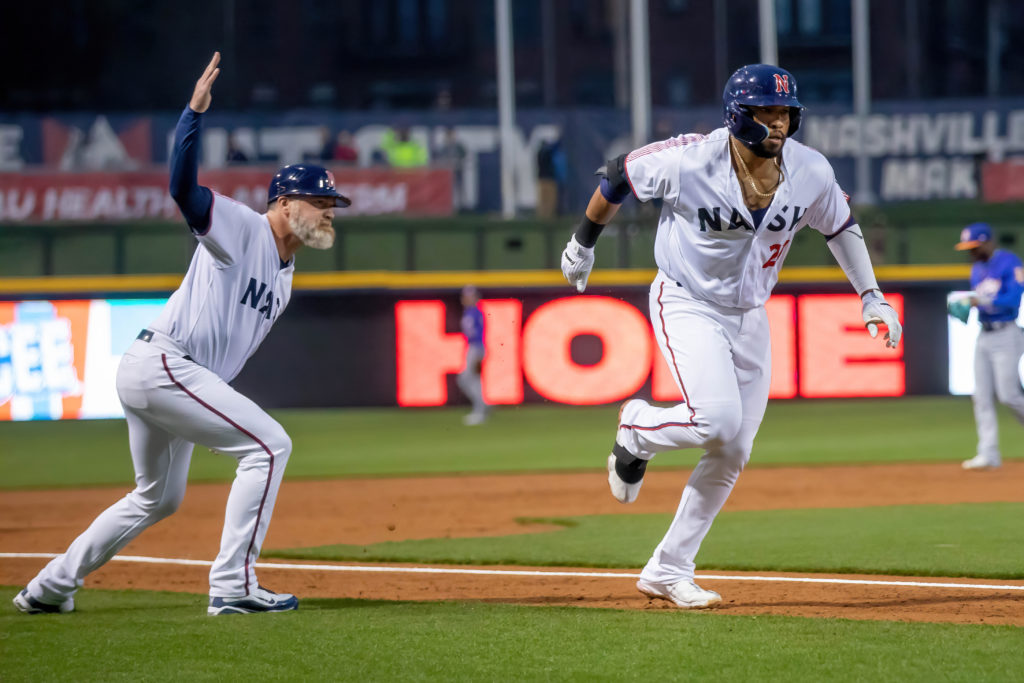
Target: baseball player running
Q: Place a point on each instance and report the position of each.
(997, 282)
(173, 381)
(732, 202)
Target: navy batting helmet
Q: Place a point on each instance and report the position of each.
(758, 85)
(305, 180)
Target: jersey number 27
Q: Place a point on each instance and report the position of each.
(776, 250)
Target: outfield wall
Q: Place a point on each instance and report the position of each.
(385, 341)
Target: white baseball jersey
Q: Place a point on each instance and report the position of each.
(233, 292)
(706, 237)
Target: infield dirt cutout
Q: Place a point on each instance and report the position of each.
(362, 511)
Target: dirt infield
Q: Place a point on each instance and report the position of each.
(360, 511)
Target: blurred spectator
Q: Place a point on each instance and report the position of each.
(452, 154)
(326, 144)
(235, 154)
(337, 148)
(344, 149)
(444, 99)
(401, 151)
(552, 174)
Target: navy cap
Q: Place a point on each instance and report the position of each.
(974, 235)
(305, 180)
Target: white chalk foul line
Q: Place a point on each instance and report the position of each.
(517, 572)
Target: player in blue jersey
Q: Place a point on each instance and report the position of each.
(997, 282)
(469, 379)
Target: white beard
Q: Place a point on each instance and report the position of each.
(310, 234)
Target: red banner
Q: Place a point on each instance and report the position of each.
(137, 195)
(1003, 181)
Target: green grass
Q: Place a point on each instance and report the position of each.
(121, 636)
(392, 441)
(978, 540)
(135, 635)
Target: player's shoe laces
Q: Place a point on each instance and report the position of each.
(29, 605)
(625, 470)
(259, 600)
(685, 594)
(981, 462)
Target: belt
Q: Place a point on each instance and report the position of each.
(993, 325)
(147, 335)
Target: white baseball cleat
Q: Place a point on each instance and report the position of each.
(29, 605)
(623, 492)
(473, 419)
(981, 462)
(685, 594)
(259, 600)
(625, 470)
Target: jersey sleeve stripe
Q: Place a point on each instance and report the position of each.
(850, 221)
(653, 147)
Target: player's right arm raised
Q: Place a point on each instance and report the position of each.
(193, 199)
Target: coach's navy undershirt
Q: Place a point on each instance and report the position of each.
(758, 216)
(193, 199)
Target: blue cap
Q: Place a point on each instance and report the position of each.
(974, 235)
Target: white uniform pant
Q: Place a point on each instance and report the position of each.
(171, 404)
(469, 380)
(721, 360)
(996, 377)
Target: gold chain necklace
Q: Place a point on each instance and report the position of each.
(750, 178)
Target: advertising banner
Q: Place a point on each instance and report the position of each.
(918, 149)
(58, 359)
(135, 195)
(1003, 181)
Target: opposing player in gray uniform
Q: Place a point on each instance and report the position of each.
(997, 282)
(732, 202)
(173, 381)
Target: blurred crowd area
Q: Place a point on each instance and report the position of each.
(110, 55)
(409, 86)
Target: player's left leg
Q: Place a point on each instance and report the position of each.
(1006, 355)
(984, 403)
(470, 383)
(720, 466)
(696, 339)
(201, 407)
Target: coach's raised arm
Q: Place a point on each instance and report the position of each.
(193, 199)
